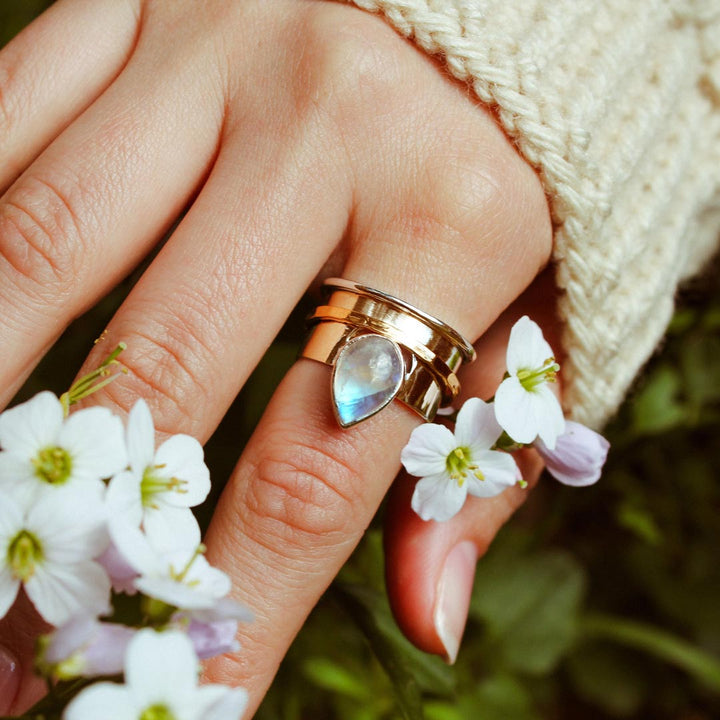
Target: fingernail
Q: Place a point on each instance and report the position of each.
(453, 597)
(9, 679)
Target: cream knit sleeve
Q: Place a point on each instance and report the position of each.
(617, 105)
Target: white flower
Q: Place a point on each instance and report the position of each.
(161, 683)
(578, 457)
(525, 406)
(84, 647)
(42, 451)
(48, 548)
(452, 465)
(160, 486)
(178, 575)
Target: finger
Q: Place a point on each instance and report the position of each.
(19, 631)
(202, 315)
(430, 565)
(304, 490)
(84, 213)
(52, 70)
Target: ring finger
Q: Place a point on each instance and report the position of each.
(304, 490)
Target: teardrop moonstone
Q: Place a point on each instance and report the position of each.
(368, 373)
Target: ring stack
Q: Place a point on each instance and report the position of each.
(382, 348)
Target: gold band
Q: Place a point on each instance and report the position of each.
(431, 350)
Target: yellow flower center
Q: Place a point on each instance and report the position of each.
(459, 463)
(25, 552)
(157, 712)
(530, 378)
(53, 465)
(151, 485)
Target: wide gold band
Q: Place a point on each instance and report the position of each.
(432, 351)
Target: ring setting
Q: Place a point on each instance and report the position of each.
(382, 348)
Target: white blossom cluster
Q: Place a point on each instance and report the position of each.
(91, 511)
(474, 459)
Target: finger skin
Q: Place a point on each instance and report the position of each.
(221, 288)
(293, 512)
(97, 200)
(19, 631)
(52, 70)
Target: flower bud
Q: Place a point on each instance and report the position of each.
(578, 457)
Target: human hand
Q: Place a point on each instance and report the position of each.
(308, 139)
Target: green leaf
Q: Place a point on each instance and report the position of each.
(436, 710)
(365, 607)
(326, 674)
(705, 668)
(498, 698)
(608, 677)
(640, 522)
(657, 407)
(530, 607)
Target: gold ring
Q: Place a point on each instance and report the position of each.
(382, 348)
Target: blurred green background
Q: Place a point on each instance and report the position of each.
(598, 603)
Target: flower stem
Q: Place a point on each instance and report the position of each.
(95, 380)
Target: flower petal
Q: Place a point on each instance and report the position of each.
(96, 648)
(550, 417)
(12, 520)
(201, 587)
(122, 574)
(9, 586)
(161, 667)
(29, 427)
(500, 471)
(514, 411)
(134, 547)
(60, 592)
(182, 457)
(70, 522)
(438, 498)
(211, 580)
(477, 427)
(230, 706)
(170, 529)
(213, 638)
(93, 702)
(94, 439)
(427, 450)
(578, 457)
(527, 348)
(140, 437)
(224, 609)
(525, 415)
(123, 499)
(17, 477)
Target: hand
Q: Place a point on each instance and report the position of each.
(306, 139)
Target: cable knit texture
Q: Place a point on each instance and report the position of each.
(617, 106)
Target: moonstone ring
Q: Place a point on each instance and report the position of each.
(382, 348)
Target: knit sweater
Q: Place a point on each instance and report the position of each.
(616, 103)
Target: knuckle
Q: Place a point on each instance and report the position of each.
(351, 63)
(161, 364)
(302, 496)
(41, 236)
(500, 198)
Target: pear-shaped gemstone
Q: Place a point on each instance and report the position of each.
(368, 373)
